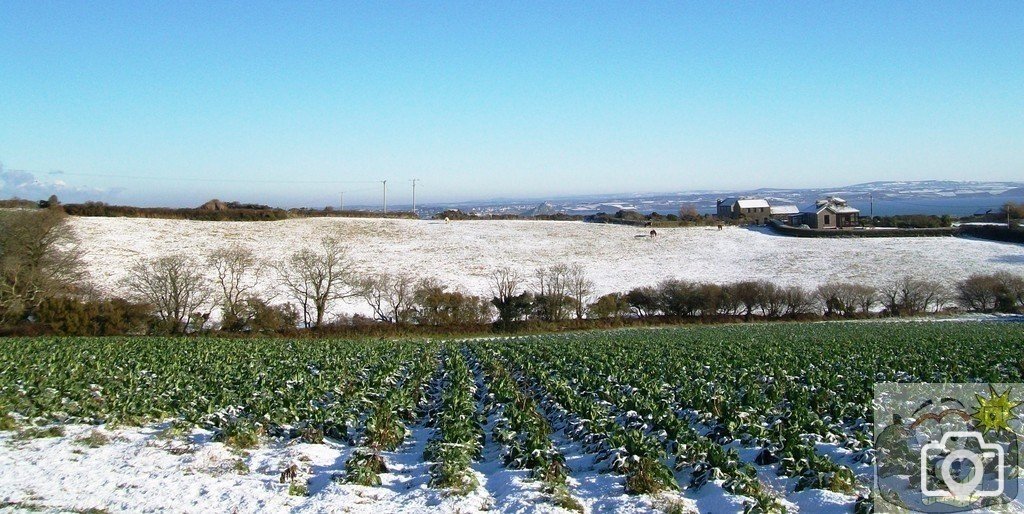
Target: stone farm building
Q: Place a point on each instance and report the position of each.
(832, 212)
(751, 210)
(754, 210)
(783, 212)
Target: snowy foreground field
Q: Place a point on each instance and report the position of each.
(698, 419)
(463, 254)
(138, 470)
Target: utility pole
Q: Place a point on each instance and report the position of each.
(342, 198)
(871, 195)
(414, 181)
(385, 182)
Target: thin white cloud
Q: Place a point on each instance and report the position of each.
(25, 184)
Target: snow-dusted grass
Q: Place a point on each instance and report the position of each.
(463, 254)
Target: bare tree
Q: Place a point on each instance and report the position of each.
(845, 298)
(679, 297)
(390, 297)
(797, 301)
(728, 302)
(831, 297)
(1000, 291)
(316, 278)
(552, 292)
(580, 287)
(237, 275)
(39, 259)
(864, 297)
(748, 294)
(645, 301)
(909, 295)
(711, 298)
(505, 284)
(1013, 289)
(772, 299)
(688, 212)
(508, 298)
(176, 289)
(978, 292)
(935, 295)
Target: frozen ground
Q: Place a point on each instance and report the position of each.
(138, 470)
(142, 470)
(463, 254)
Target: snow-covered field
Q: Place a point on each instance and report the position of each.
(463, 254)
(142, 470)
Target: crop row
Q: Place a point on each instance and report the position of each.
(665, 409)
(523, 431)
(458, 425)
(390, 405)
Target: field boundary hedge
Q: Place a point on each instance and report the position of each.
(994, 233)
(894, 232)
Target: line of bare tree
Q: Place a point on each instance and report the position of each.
(905, 296)
(314, 280)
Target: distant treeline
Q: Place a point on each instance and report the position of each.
(232, 211)
(18, 203)
(622, 217)
(458, 215)
(687, 217)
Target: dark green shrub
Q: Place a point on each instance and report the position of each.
(73, 317)
(612, 305)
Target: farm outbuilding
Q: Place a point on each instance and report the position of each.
(752, 210)
(831, 212)
(783, 212)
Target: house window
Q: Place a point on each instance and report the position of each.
(828, 219)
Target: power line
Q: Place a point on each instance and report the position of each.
(362, 189)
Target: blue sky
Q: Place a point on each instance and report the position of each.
(288, 103)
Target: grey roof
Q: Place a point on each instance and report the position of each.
(745, 203)
(785, 209)
(844, 209)
(752, 203)
(830, 204)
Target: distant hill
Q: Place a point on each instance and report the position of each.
(544, 209)
(958, 198)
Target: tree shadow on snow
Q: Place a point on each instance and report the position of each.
(1009, 259)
